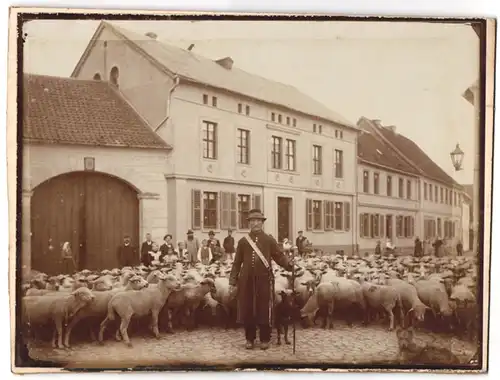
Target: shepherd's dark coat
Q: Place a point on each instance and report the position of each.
(254, 282)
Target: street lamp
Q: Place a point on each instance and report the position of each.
(457, 156)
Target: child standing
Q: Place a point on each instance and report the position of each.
(205, 253)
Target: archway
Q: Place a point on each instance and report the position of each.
(90, 210)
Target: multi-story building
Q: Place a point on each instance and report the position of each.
(439, 197)
(232, 141)
(387, 195)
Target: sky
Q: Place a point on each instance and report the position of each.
(411, 75)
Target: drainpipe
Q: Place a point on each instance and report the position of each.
(169, 101)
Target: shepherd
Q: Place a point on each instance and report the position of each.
(252, 280)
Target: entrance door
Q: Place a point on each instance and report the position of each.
(284, 218)
(91, 211)
(388, 226)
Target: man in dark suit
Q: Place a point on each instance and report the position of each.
(252, 280)
(299, 243)
(127, 254)
(145, 248)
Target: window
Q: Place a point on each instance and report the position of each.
(320, 129)
(247, 110)
(364, 227)
(294, 122)
(290, 155)
(389, 186)
(329, 215)
(430, 192)
(205, 99)
(314, 128)
(408, 189)
(209, 140)
(436, 190)
(366, 184)
(317, 215)
(288, 120)
(341, 134)
(339, 216)
(280, 119)
(446, 196)
(243, 146)
(113, 76)
(243, 209)
(408, 226)
(209, 210)
(375, 183)
(455, 197)
(336, 134)
(425, 191)
(276, 153)
(97, 76)
(317, 164)
(400, 188)
(214, 101)
(439, 230)
(339, 164)
(240, 108)
(273, 116)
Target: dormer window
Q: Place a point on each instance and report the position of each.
(280, 119)
(97, 76)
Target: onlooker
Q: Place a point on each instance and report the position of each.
(211, 237)
(418, 252)
(127, 254)
(460, 248)
(166, 245)
(205, 252)
(229, 245)
(192, 246)
(146, 247)
(301, 243)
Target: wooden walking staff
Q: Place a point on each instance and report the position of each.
(293, 293)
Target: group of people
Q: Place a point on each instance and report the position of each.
(190, 249)
(422, 248)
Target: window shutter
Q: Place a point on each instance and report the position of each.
(361, 225)
(225, 199)
(233, 211)
(326, 206)
(196, 209)
(412, 220)
(309, 215)
(347, 216)
(256, 202)
(382, 226)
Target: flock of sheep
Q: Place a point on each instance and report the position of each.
(440, 292)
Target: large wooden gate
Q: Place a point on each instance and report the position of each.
(90, 210)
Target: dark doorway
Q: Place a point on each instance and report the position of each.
(92, 211)
(388, 227)
(284, 218)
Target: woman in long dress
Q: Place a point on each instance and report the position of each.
(67, 261)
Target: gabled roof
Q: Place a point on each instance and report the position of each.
(374, 151)
(193, 67)
(414, 154)
(71, 111)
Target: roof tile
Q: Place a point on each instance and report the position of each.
(87, 112)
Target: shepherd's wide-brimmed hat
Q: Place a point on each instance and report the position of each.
(256, 214)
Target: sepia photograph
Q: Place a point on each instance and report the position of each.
(244, 191)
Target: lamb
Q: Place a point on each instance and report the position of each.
(323, 297)
(40, 310)
(139, 303)
(414, 307)
(99, 307)
(187, 298)
(383, 297)
(433, 294)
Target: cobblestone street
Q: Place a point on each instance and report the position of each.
(357, 345)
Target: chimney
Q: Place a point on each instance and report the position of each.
(226, 62)
(391, 128)
(152, 35)
(377, 122)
